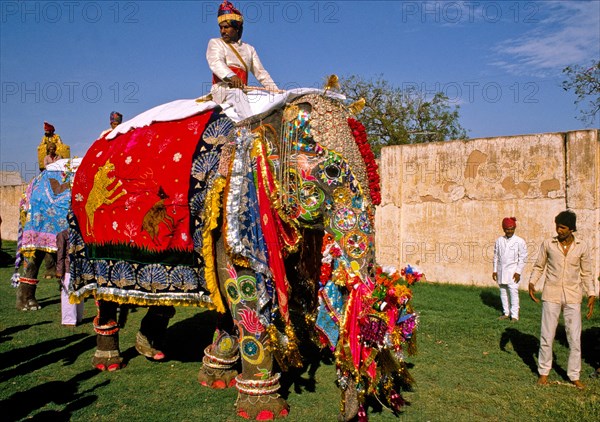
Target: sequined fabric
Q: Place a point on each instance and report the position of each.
(329, 129)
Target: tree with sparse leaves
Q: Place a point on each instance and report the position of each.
(393, 116)
(585, 82)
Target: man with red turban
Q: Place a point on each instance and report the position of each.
(510, 253)
(50, 137)
(231, 60)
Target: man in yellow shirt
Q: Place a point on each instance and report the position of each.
(568, 266)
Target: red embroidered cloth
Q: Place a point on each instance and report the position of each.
(133, 190)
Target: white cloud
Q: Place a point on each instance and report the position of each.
(567, 33)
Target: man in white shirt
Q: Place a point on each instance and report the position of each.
(230, 60)
(510, 253)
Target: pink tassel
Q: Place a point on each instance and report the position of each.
(396, 401)
(362, 414)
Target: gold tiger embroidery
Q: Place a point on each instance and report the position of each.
(101, 194)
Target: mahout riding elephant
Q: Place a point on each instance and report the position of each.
(183, 207)
(43, 213)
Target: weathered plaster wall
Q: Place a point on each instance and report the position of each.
(9, 210)
(442, 203)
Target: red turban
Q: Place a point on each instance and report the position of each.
(509, 223)
(48, 127)
(227, 12)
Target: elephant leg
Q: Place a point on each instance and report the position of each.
(50, 265)
(219, 362)
(107, 356)
(257, 384)
(26, 300)
(151, 338)
(21, 298)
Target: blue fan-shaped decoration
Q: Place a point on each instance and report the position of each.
(153, 277)
(198, 241)
(205, 163)
(183, 278)
(75, 240)
(86, 270)
(217, 130)
(123, 274)
(101, 271)
(197, 203)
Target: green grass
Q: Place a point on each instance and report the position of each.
(469, 367)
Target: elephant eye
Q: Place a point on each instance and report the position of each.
(332, 172)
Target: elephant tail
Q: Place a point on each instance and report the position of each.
(123, 314)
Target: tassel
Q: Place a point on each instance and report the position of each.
(396, 401)
(362, 414)
(357, 106)
(333, 83)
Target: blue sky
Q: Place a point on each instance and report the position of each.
(72, 62)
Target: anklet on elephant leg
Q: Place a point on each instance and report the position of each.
(217, 371)
(258, 399)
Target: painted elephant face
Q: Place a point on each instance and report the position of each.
(329, 179)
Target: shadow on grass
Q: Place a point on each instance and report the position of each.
(304, 379)
(6, 260)
(31, 358)
(6, 335)
(23, 403)
(491, 299)
(526, 346)
(187, 339)
(590, 344)
(49, 301)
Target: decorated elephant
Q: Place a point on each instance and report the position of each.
(43, 213)
(274, 205)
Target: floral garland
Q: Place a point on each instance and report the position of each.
(388, 318)
(360, 137)
(67, 174)
(376, 329)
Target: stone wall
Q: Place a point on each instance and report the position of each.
(442, 203)
(9, 210)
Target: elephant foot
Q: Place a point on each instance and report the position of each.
(261, 408)
(218, 364)
(107, 356)
(110, 360)
(26, 300)
(258, 399)
(143, 346)
(216, 378)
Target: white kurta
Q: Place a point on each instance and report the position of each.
(221, 58)
(510, 255)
